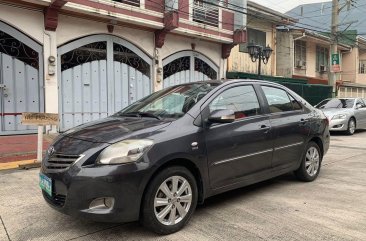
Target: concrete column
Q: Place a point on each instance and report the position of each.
(222, 68)
(158, 71)
(50, 80)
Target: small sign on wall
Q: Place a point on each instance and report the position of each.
(39, 119)
(335, 63)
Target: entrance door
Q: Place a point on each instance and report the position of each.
(187, 66)
(100, 75)
(21, 85)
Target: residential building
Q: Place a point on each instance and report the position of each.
(307, 46)
(261, 30)
(354, 63)
(306, 54)
(87, 59)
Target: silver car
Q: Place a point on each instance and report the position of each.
(344, 114)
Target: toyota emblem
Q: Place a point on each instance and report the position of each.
(51, 150)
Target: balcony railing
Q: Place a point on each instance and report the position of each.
(205, 13)
(135, 3)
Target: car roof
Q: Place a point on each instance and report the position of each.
(231, 81)
(344, 98)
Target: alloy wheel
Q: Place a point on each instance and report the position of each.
(352, 126)
(312, 161)
(173, 200)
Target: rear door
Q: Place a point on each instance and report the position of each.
(290, 126)
(242, 148)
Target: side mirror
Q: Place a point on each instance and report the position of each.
(222, 116)
(358, 106)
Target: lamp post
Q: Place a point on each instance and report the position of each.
(258, 52)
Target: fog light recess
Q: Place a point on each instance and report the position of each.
(102, 203)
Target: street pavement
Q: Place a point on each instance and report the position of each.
(331, 208)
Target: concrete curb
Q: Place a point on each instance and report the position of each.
(18, 164)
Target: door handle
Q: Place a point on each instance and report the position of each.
(265, 127)
(303, 122)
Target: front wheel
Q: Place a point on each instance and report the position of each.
(170, 200)
(351, 126)
(310, 165)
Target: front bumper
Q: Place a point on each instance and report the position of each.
(338, 125)
(73, 191)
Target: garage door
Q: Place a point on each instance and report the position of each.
(187, 66)
(21, 84)
(100, 75)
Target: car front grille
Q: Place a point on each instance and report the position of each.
(56, 199)
(60, 162)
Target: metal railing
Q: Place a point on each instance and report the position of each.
(135, 3)
(205, 13)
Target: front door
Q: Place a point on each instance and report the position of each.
(240, 149)
(21, 80)
(100, 75)
(289, 122)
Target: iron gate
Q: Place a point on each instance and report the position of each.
(187, 66)
(100, 74)
(21, 82)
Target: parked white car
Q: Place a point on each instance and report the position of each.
(344, 114)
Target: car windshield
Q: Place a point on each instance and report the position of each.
(335, 103)
(172, 102)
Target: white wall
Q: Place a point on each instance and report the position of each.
(30, 22)
(174, 43)
(71, 28)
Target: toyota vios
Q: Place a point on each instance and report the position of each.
(158, 158)
(344, 114)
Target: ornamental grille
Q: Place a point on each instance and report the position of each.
(13, 47)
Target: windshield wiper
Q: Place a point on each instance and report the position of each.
(140, 114)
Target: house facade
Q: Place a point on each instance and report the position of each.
(305, 54)
(261, 30)
(304, 51)
(354, 63)
(87, 59)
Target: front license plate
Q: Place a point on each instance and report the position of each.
(45, 183)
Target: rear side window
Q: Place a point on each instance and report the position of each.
(279, 101)
(241, 99)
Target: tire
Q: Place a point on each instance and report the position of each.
(351, 127)
(310, 165)
(173, 211)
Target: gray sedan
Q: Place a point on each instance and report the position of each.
(344, 114)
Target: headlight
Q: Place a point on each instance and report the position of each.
(339, 116)
(124, 151)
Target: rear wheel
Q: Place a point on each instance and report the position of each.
(170, 200)
(351, 126)
(310, 165)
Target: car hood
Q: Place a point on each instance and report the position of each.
(336, 111)
(113, 129)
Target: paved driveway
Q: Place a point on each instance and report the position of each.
(331, 208)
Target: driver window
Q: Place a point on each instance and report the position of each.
(241, 99)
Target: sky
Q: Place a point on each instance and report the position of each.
(284, 5)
